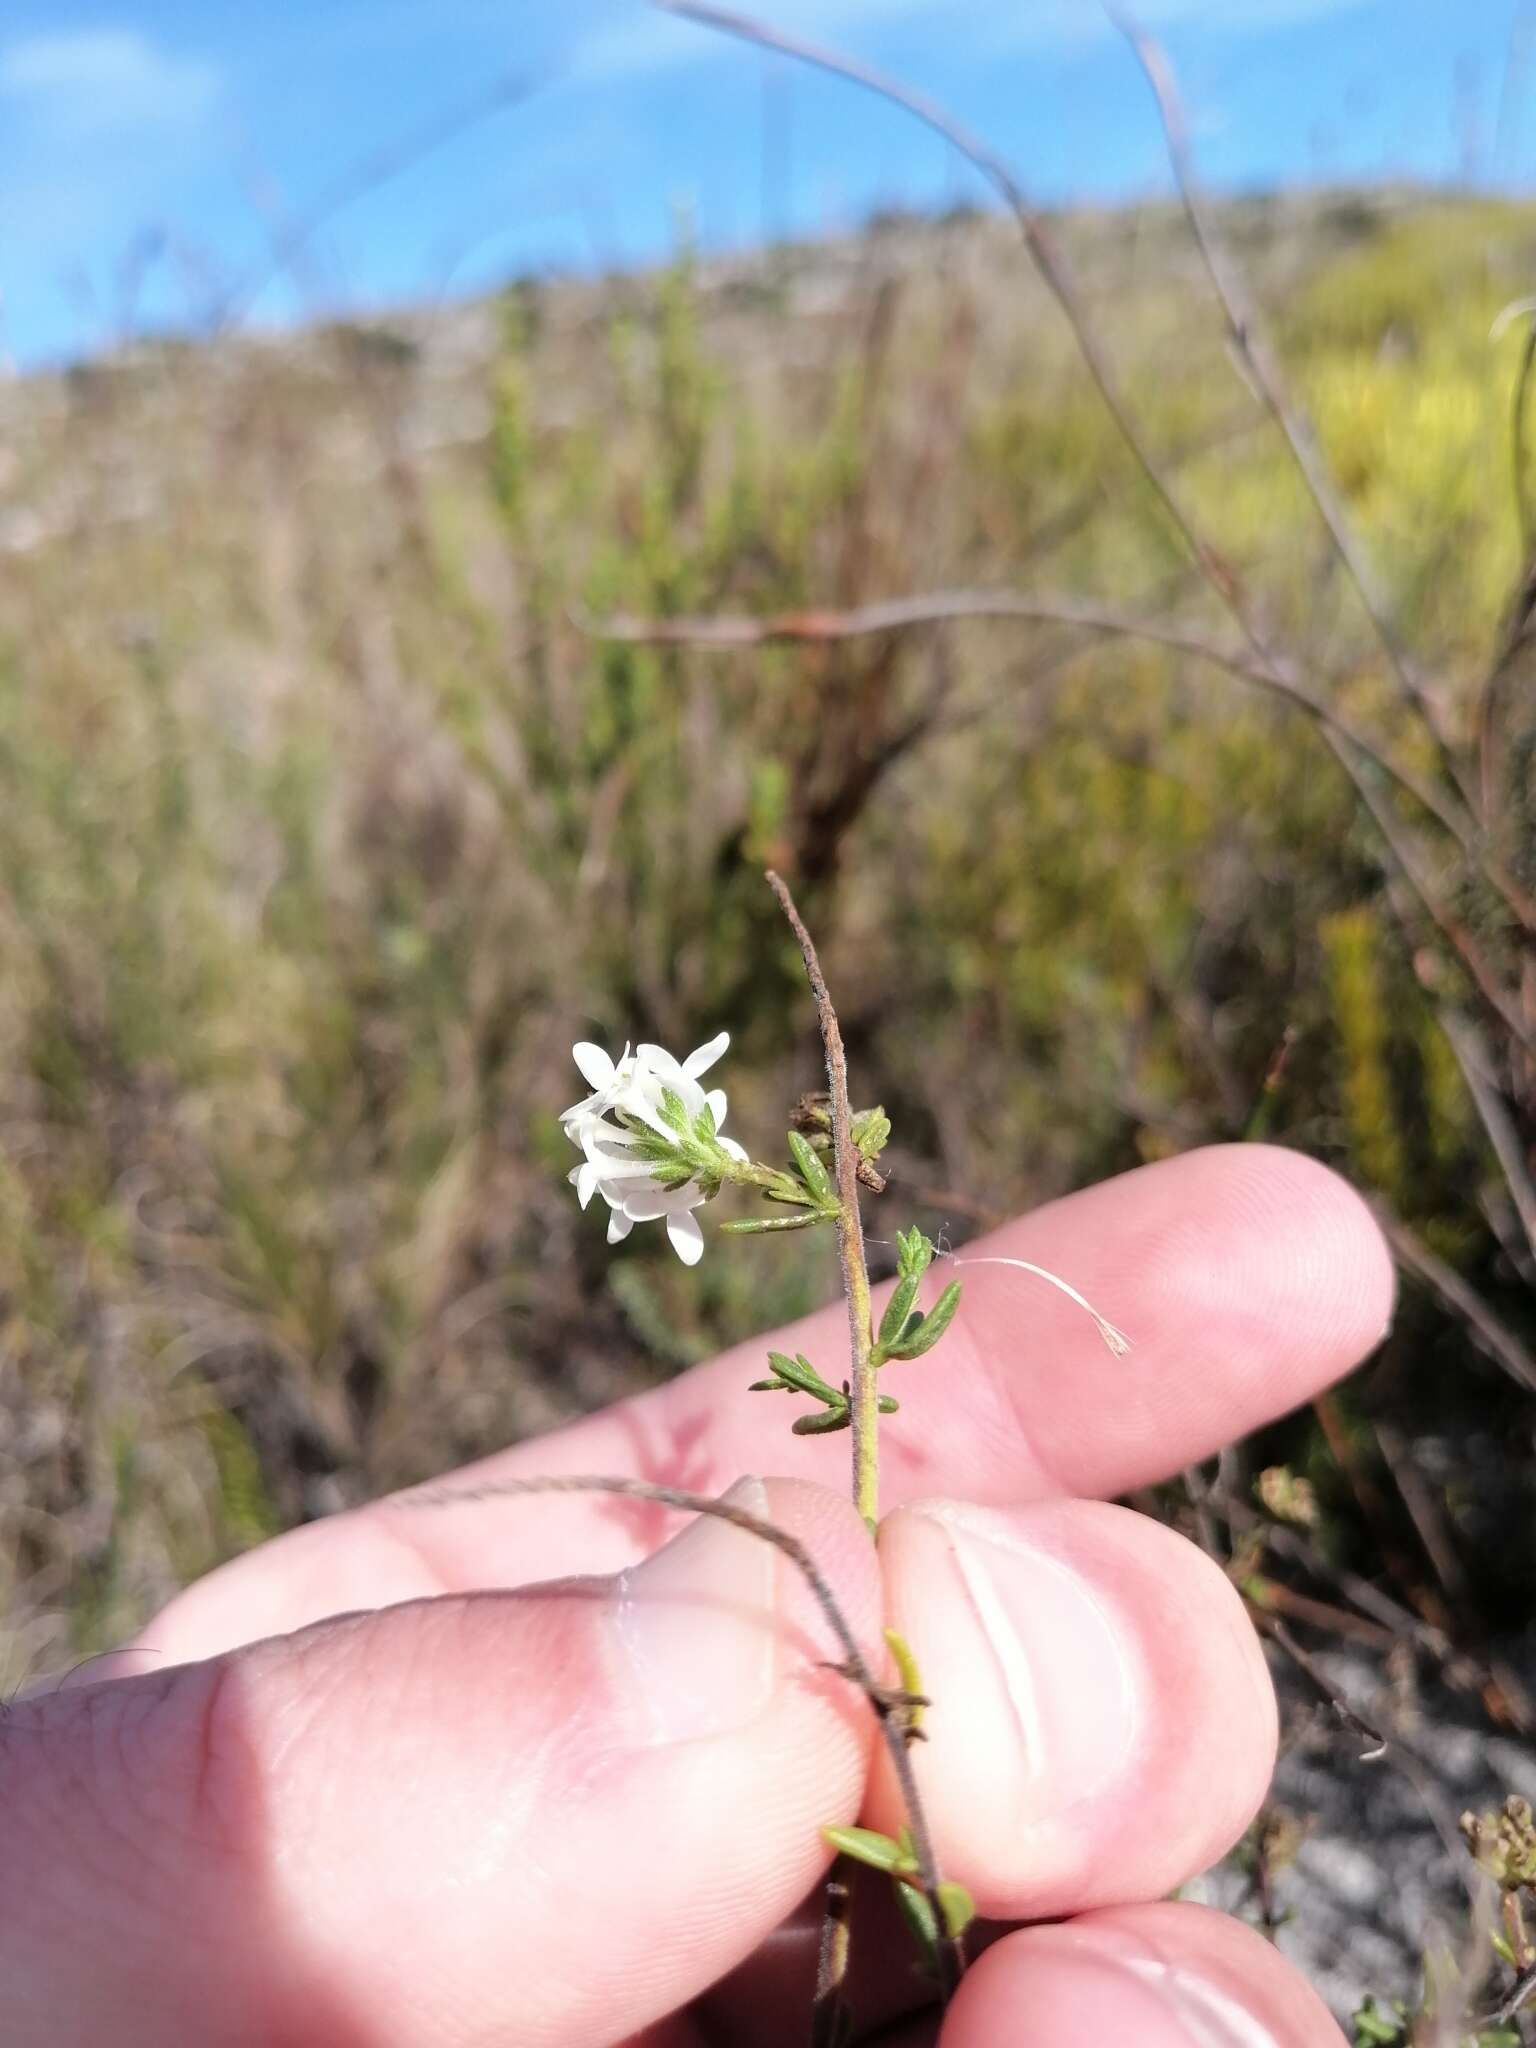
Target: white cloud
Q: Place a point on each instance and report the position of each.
(96, 128)
(104, 82)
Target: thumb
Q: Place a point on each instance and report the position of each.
(550, 1815)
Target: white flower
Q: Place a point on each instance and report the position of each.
(645, 1149)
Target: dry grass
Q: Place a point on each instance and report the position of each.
(324, 828)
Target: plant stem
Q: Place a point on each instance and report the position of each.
(864, 1408)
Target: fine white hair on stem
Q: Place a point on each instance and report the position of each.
(1116, 1340)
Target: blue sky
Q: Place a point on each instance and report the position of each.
(151, 150)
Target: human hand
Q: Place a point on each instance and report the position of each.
(361, 1801)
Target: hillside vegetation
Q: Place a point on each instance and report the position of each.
(328, 820)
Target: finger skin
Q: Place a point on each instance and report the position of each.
(1248, 1277)
(549, 1817)
(1158, 1976)
(1103, 1725)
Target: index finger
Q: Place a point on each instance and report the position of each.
(1246, 1276)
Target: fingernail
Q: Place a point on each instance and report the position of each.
(1050, 1716)
(1211, 2015)
(695, 1627)
(1098, 1984)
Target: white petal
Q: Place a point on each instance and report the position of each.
(701, 1060)
(716, 1100)
(619, 1227)
(686, 1238)
(604, 1141)
(656, 1059)
(608, 1146)
(736, 1151)
(642, 1205)
(586, 1182)
(625, 1174)
(596, 1067)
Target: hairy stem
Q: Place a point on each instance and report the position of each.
(864, 1407)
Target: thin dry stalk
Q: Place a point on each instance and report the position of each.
(864, 1410)
(1376, 1743)
(1043, 251)
(938, 607)
(1492, 1336)
(1246, 335)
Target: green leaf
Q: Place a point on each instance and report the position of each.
(704, 1126)
(868, 1845)
(674, 1111)
(871, 1133)
(887, 1405)
(897, 1309)
(811, 1170)
(1373, 2026)
(798, 1372)
(911, 1681)
(755, 1226)
(914, 1253)
(957, 1906)
(924, 1331)
(821, 1423)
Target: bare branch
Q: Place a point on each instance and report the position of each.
(1376, 1743)
(1043, 251)
(1488, 1100)
(1405, 861)
(863, 1413)
(943, 606)
(1524, 1990)
(1247, 338)
(1491, 1335)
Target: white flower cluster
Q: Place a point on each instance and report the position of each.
(633, 1153)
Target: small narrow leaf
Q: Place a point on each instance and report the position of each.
(957, 1906)
(922, 1333)
(812, 1172)
(755, 1226)
(914, 1253)
(923, 1923)
(868, 1845)
(871, 1133)
(798, 1372)
(897, 1309)
(823, 1422)
(911, 1682)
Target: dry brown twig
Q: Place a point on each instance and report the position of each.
(850, 1227)
(1246, 334)
(725, 631)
